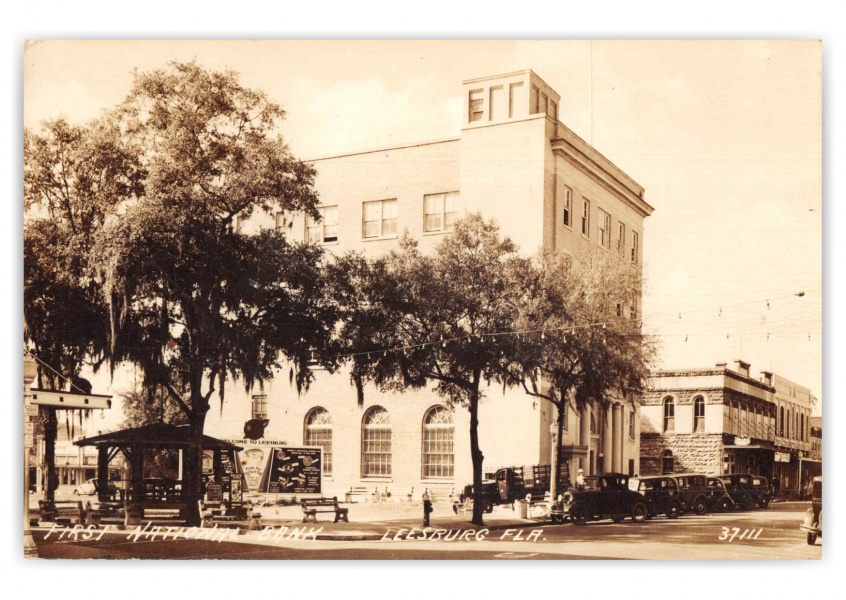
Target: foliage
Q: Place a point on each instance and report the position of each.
(585, 345)
(441, 310)
(75, 177)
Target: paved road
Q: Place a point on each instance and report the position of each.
(758, 535)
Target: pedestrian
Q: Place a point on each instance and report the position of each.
(580, 480)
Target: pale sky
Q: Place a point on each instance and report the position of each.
(725, 136)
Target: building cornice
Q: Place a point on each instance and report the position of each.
(590, 161)
(384, 149)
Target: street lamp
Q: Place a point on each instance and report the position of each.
(30, 370)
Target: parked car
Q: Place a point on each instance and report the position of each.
(812, 524)
(490, 496)
(89, 488)
(747, 490)
(662, 495)
(693, 492)
(607, 496)
(718, 498)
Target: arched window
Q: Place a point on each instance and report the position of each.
(317, 431)
(437, 455)
(698, 414)
(669, 414)
(376, 443)
(668, 462)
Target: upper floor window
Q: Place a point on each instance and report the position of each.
(632, 425)
(440, 211)
(476, 105)
(604, 229)
(513, 91)
(592, 424)
(379, 219)
(699, 414)
(781, 422)
(438, 453)
(317, 431)
(567, 201)
(553, 110)
(585, 217)
(283, 220)
(635, 248)
(802, 428)
(621, 237)
(260, 406)
(669, 414)
(326, 229)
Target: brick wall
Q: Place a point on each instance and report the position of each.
(693, 452)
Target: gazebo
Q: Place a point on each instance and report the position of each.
(219, 460)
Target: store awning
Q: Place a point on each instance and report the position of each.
(748, 448)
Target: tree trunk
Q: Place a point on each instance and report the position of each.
(192, 484)
(559, 450)
(51, 428)
(476, 453)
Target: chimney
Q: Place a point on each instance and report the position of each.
(722, 365)
(742, 367)
(767, 377)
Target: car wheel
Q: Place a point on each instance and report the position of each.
(488, 506)
(674, 509)
(700, 507)
(812, 539)
(724, 505)
(639, 512)
(764, 502)
(617, 518)
(455, 508)
(579, 513)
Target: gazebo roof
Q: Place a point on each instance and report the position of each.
(158, 435)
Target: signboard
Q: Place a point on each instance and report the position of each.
(214, 492)
(782, 457)
(30, 410)
(236, 495)
(741, 441)
(293, 471)
(254, 458)
(29, 429)
(28, 441)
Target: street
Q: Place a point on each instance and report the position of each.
(759, 535)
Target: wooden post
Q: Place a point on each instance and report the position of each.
(103, 473)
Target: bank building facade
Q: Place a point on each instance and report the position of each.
(515, 162)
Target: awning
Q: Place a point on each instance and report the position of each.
(748, 448)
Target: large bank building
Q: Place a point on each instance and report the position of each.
(513, 160)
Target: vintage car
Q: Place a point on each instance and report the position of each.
(607, 496)
(718, 498)
(490, 496)
(693, 492)
(747, 490)
(662, 495)
(812, 524)
(90, 486)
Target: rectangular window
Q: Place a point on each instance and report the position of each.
(553, 110)
(513, 91)
(634, 247)
(260, 406)
(631, 425)
(544, 104)
(585, 217)
(535, 100)
(379, 219)
(621, 238)
(326, 229)
(568, 207)
(604, 229)
(321, 437)
(376, 453)
(281, 221)
(476, 105)
(439, 211)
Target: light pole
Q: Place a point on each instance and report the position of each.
(30, 370)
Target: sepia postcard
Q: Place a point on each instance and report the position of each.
(459, 300)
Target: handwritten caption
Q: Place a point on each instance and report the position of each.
(748, 534)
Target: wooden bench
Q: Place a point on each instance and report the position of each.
(323, 505)
(215, 512)
(95, 513)
(70, 511)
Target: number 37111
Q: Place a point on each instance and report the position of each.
(730, 535)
